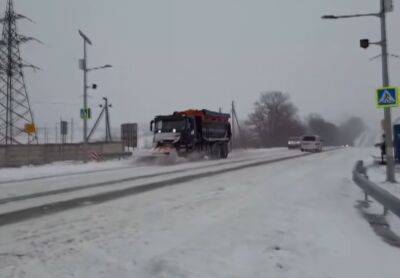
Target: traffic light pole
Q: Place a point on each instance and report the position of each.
(85, 70)
(85, 139)
(390, 175)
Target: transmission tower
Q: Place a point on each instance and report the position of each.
(16, 118)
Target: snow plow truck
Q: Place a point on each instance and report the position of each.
(192, 132)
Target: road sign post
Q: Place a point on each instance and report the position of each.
(385, 7)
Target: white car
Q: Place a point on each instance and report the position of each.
(311, 143)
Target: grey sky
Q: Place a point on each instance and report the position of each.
(175, 54)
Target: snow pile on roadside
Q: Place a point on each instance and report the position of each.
(57, 168)
(71, 167)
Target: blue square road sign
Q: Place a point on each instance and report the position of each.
(387, 97)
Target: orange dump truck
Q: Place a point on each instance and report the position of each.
(193, 131)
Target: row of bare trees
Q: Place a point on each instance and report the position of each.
(275, 118)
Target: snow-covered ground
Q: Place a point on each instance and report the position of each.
(294, 218)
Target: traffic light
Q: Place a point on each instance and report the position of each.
(364, 43)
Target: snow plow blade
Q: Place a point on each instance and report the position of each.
(158, 156)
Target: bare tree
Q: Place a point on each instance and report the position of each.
(328, 131)
(275, 119)
(332, 134)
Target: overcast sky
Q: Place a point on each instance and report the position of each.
(175, 54)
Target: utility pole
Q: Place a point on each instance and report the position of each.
(56, 133)
(235, 120)
(385, 6)
(233, 124)
(85, 112)
(104, 111)
(390, 175)
(46, 135)
(108, 127)
(84, 68)
(72, 130)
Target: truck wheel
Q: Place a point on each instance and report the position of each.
(215, 151)
(224, 151)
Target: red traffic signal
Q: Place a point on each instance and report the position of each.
(364, 43)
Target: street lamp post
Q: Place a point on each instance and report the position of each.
(86, 70)
(390, 176)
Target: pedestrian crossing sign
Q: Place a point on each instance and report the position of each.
(86, 113)
(387, 97)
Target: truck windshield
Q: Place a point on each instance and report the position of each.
(309, 138)
(170, 125)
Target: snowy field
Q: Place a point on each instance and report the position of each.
(294, 218)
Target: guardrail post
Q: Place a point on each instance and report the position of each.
(366, 197)
(385, 211)
(389, 201)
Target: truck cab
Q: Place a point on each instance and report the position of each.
(174, 130)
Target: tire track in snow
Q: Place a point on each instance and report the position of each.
(64, 175)
(51, 208)
(113, 182)
(56, 207)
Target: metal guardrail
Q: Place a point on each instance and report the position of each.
(384, 197)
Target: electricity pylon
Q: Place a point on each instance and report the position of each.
(16, 118)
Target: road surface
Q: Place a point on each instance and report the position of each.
(276, 217)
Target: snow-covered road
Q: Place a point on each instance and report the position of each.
(294, 218)
(24, 192)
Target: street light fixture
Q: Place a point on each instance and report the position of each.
(329, 17)
(99, 68)
(385, 6)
